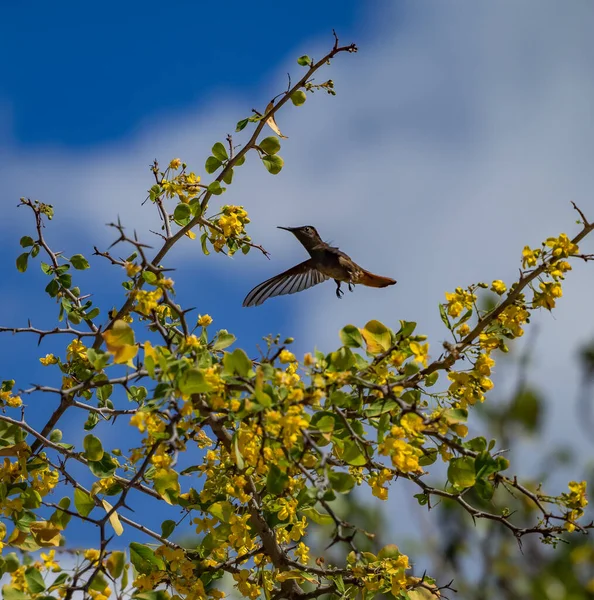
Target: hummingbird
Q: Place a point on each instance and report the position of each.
(325, 262)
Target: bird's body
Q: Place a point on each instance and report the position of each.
(325, 262)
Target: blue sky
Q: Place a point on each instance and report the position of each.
(460, 133)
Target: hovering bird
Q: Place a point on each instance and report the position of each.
(326, 262)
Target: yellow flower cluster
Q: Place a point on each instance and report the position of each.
(76, 350)
(470, 386)
(49, 359)
(387, 575)
(575, 500)
(147, 301)
(289, 424)
(562, 246)
(404, 456)
(377, 482)
(550, 291)
(232, 224)
(458, 301)
(8, 399)
(512, 318)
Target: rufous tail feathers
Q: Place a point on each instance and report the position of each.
(376, 281)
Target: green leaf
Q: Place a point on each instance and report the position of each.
(223, 340)
(79, 262)
(351, 336)
(193, 382)
(215, 188)
(203, 240)
(461, 472)
(153, 595)
(9, 592)
(228, 177)
(115, 563)
(431, 379)
(239, 161)
(103, 468)
(34, 580)
(304, 61)
(237, 363)
(353, 455)
(276, 481)
(273, 163)
(93, 447)
(26, 241)
(212, 164)
(182, 212)
(83, 503)
(341, 482)
(377, 337)
(144, 559)
(241, 124)
(219, 151)
(298, 98)
(167, 528)
(317, 517)
(444, 316)
(270, 145)
(166, 484)
(21, 262)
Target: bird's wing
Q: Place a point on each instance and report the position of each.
(299, 278)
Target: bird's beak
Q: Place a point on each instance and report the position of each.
(286, 228)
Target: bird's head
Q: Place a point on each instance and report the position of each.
(306, 234)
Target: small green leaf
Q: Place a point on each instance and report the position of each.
(351, 337)
(341, 482)
(203, 240)
(167, 528)
(21, 262)
(240, 161)
(241, 124)
(103, 468)
(215, 188)
(182, 212)
(26, 241)
(79, 262)
(273, 163)
(237, 363)
(270, 145)
(228, 177)
(353, 455)
(304, 61)
(83, 503)
(212, 164)
(34, 580)
(276, 481)
(144, 559)
(193, 382)
(93, 447)
(461, 472)
(224, 339)
(298, 98)
(219, 151)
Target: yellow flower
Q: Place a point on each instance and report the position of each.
(458, 301)
(562, 246)
(48, 561)
(175, 164)
(76, 349)
(131, 269)
(286, 357)
(464, 330)
(49, 359)
(420, 352)
(302, 551)
(498, 287)
(92, 555)
(529, 257)
(12, 401)
(204, 320)
(309, 360)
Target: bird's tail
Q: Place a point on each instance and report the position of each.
(377, 281)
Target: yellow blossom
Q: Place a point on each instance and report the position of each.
(562, 246)
(302, 552)
(49, 359)
(48, 561)
(132, 269)
(463, 330)
(420, 352)
(286, 356)
(76, 349)
(204, 320)
(529, 257)
(308, 360)
(498, 287)
(175, 164)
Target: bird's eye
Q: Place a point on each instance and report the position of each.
(308, 230)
